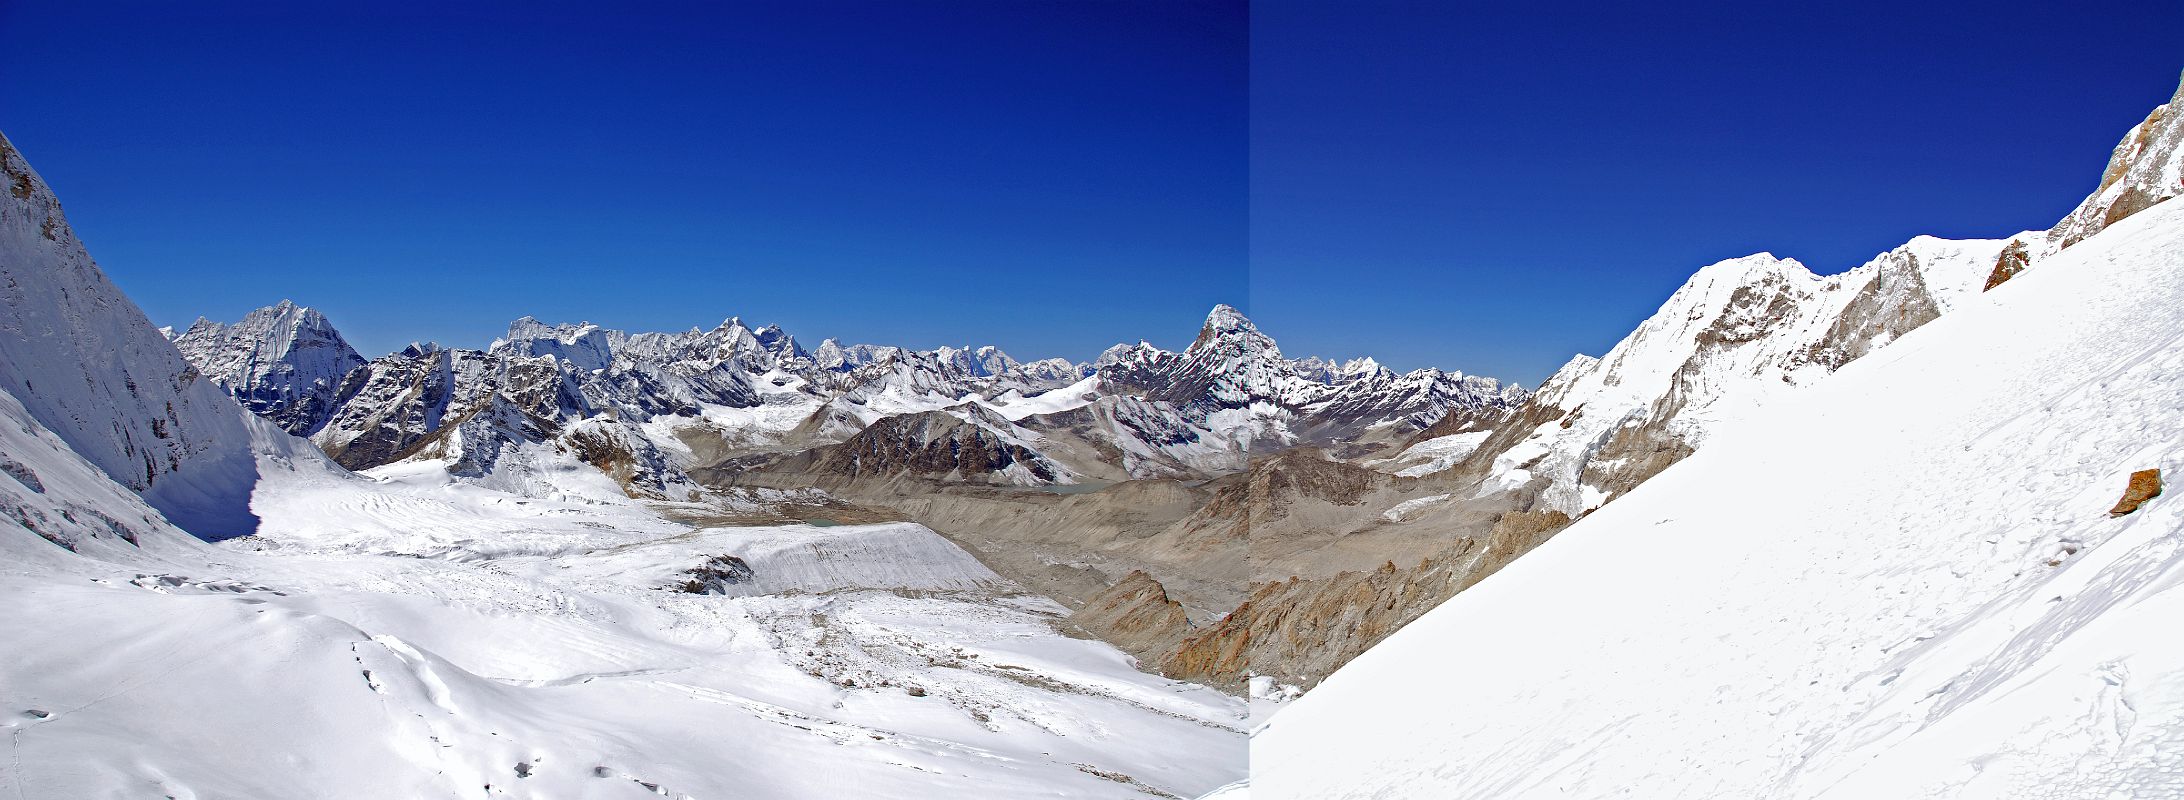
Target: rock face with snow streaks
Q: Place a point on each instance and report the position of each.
(1234, 381)
(658, 405)
(1736, 335)
(88, 366)
(285, 363)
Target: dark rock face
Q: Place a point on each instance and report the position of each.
(1136, 614)
(715, 575)
(387, 408)
(1894, 302)
(2142, 171)
(935, 444)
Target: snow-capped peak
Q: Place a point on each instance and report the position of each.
(284, 362)
(1227, 327)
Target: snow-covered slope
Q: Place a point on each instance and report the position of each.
(57, 506)
(1902, 582)
(87, 365)
(1736, 335)
(401, 634)
(283, 362)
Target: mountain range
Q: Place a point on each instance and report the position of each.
(1796, 535)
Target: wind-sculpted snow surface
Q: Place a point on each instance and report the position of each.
(404, 634)
(1902, 582)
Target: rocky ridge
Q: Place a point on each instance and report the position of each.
(284, 363)
(87, 366)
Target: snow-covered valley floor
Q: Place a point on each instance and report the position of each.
(402, 635)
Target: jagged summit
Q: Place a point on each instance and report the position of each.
(284, 362)
(637, 400)
(1224, 320)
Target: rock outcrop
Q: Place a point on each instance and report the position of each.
(2145, 485)
(1300, 630)
(2146, 168)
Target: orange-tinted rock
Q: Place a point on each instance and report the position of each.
(2145, 485)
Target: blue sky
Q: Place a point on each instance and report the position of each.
(1041, 176)
(1491, 188)
(1456, 185)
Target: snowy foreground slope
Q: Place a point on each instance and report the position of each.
(406, 633)
(540, 655)
(1903, 582)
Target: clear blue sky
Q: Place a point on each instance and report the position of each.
(1450, 184)
(1491, 187)
(1042, 176)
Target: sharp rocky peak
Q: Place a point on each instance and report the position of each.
(1225, 323)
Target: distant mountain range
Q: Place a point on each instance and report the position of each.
(648, 407)
(1228, 515)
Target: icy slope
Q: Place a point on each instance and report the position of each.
(61, 511)
(1903, 582)
(86, 364)
(1734, 336)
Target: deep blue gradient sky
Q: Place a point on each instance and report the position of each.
(1042, 176)
(1484, 187)
(1448, 184)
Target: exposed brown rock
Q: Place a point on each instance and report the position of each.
(1273, 484)
(933, 443)
(1895, 302)
(612, 457)
(1136, 615)
(2136, 177)
(2138, 141)
(2006, 266)
(2145, 485)
(19, 181)
(1300, 630)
